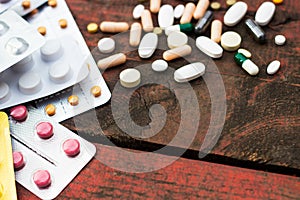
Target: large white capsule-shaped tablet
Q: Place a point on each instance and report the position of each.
(178, 11)
(52, 50)
(60, 72)
(177, 52)
(130, 78)
(209, 47)
(24, 65)
(265, 13)
(137, 11)
(273, 67)
(30, 83)
(4, 92)
(165, 16)
(250, 67)
(189, 72)
(235, 13)
(148, 45)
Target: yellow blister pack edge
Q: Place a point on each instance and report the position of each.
(7, 176)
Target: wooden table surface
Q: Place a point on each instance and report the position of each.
(262, 121)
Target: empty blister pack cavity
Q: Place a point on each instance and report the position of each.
(18, 39)
(6, 4)
(20, 10)
(58, 159)
(58, 64)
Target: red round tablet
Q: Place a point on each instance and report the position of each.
(42, 178)
(71, 147)
(44, 130)
(19, 113)
(18, 160)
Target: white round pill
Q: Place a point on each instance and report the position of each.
(52, 50)
(4, 92)
(176, 39)
(137, 11)
(178, 11)
(24, 65)
(60, 72)
(280, 39)
(273, 67)
(159, 65)
(130, 78)
(231, 41)
(106, 45)
(30, 83)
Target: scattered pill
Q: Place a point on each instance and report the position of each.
(245, 52)
(159, 65)
(187, 13)
(60, 72)
(201, 9)
(265, 13)
(155, 5)
(18, 160)
(280, 40)
(209, 47)
(178, 11)
(204, 22)
(177, 52)
(130, 78)
(63, 23)
(256, 31)
(231, 41)
(137, 11)
(135, 34)
(215, 5)
(189, 72)
(273, 67)
(146, 20)
(277, 1)
(106, 45)
(157, 30)
(96, 91)
(148, 45)
(186, 28)
(235, 13)
(52, 3)
(73, 100)
(19, 113)
(165, 16)
(50, 109)
(246, 64)
(230, 2)
(113, 27)
(44, 130)
(26, 4)
(4, 92)
(52, 50)
(42, 30)
(177, 39)
(42, 178)
(92, 27)
(112, 61)
(71, 147)
(216, 31)
(30, 83)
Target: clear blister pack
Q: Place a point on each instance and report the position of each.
(5, 4)
(18, 39)
(50, 155)
(20, 10)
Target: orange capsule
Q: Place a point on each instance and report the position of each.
(187, 13)
(201, 9)
(146, 20)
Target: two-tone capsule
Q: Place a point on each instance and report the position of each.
(186, 28)
(246, 64)
(204, 22)
(257, 32)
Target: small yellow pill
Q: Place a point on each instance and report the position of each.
(92, 27)
(230, 2)
(277, 1)
(157, 30)
(42, 30)
(73, 100)
(63, 23)
(52, 3)
(215, 5)
(96, 91)
(50, 109)
(26, 4)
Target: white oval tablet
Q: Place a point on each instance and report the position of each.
(23, 65)
(52, 50)
(148, 45)
(231, 41)
(178, 11)
(30, 83)
(209, 47)
(137, 11)
(265, 13)
(130, 78)
(159, 65)
(245, 52)
(235, 13)
(4, 92)
(177, 39)
(106, 45)
(165, 16)
(189, 72)
(280, 40)
(60, 72)
(273, 67)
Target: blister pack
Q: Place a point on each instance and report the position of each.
(5, 4)
(7, 176)
(18, 39)
(22, 11)
(48, 155)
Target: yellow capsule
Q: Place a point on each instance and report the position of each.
(73, 100)
(96, 91)
(230, 2)
(50, 109)
(215, 5)
(277, 1)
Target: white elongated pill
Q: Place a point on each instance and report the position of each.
(280, 40)
(165, 16)
(178, 11)
(231, 41)
(137, 11)
(265, 13)
(106, 45)
(176, 39)
(112, 61)
(245, 52)
(273, 67)
(52, 50)
(130, 78)
(135, 34)
(30, 83)
(148, 45)
(60, 72)
(177, 52)
(235, 13)
(4, 92)
(209, 47)
(250, 67)
(189, 72)
(159, 65)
